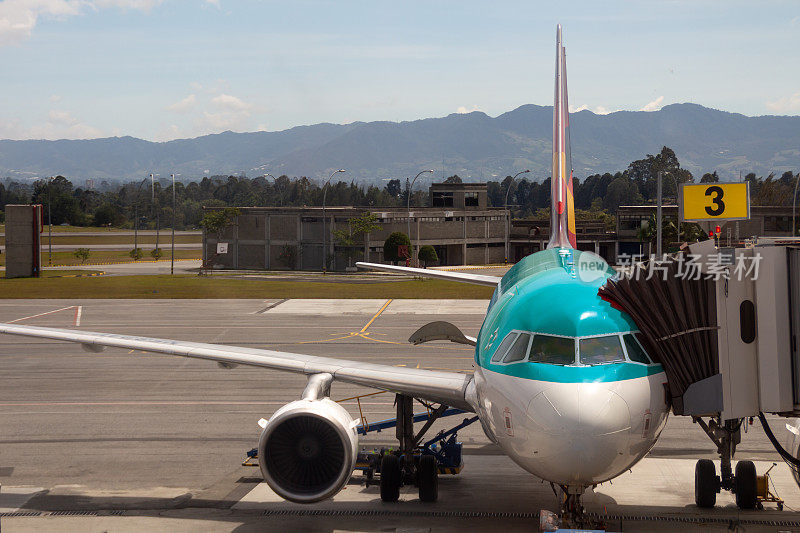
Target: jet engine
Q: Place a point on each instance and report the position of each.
(308, 450)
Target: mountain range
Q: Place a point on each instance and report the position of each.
(473, 145)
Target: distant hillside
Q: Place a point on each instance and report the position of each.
(474, 146)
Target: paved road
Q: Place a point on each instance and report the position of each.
(154, 436)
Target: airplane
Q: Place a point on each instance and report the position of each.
(561, 383)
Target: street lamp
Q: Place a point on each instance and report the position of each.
(136, 215)
(408, 207)
(659, 222)
(275, 184)
(505, 208)
(794, 206)
(324, 230)
(49, 225)
(155, 207)
(172, 260)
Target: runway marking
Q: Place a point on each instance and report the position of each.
(371, 320)
(41, 314)
(271, 306)
(78, 312)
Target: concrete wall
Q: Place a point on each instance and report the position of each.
(23, 244)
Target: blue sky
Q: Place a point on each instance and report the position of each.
(161, 70)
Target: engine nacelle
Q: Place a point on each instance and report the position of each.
(308, 450)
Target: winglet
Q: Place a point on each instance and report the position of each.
(463, 277)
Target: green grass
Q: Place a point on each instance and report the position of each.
(85, 229)
(99, 257)
(89, 240)
(188, 286)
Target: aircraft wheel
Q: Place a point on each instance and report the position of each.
(745, 481)
(428, 478)
(391, 478)
(705, 483)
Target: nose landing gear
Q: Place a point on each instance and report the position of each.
(706, 482)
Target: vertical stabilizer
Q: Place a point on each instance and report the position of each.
(562, 217)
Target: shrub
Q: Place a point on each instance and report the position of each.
(82, 254)
(393, 242)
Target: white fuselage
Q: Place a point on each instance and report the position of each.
(573, 434)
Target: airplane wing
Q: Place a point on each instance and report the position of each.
(477, 279)
(448, 388)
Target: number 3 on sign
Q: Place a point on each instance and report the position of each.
(715, 201)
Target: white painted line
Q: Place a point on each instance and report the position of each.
(327, 307)
(78, 313)
(40, 314)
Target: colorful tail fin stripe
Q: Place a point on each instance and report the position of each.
(562, 218)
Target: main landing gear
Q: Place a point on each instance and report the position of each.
(414, 462)
(707, 484)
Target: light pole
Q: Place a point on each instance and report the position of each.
(155, 209)
(49, 225)
(408, 207)
(324, 227)
(172, 260)
(275, 184)
(136, 215)
(505, 207)
(794, 206)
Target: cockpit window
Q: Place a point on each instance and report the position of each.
(635, 351)
(501, 350)
(601, 350)
(519, 350)
(552, 350)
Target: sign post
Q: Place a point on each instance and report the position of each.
(709, 202)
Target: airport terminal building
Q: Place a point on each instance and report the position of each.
(458, 224)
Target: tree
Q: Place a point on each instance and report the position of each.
(393, 188)
(393, 242)
(136, 254)
(349, 238)
(156, 253)
(288, 256)
(710, 178)
(427, 254)
(453, 179)
(217, 220)
(104, 215)
(82, 254)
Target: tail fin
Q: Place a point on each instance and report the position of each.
(562, 217)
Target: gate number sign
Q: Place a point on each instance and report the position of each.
(715, 201)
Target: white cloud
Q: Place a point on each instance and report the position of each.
(655, 105)
(59, 125)
(184, 105)
(462, 109)
(18, 18)
(786, 104)
(573, 109)
(214, 3)
(231, 103)
(55, 98)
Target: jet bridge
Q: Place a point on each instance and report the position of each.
(723, 322)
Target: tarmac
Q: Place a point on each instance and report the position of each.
(128, 441)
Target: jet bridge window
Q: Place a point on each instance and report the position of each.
(519, 349)
(601, 350)
(635, 351)
(552, 350)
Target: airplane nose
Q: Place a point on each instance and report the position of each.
(586, 422)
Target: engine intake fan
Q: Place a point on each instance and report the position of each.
(308, 450)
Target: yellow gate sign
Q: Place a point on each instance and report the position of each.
(715, 201)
